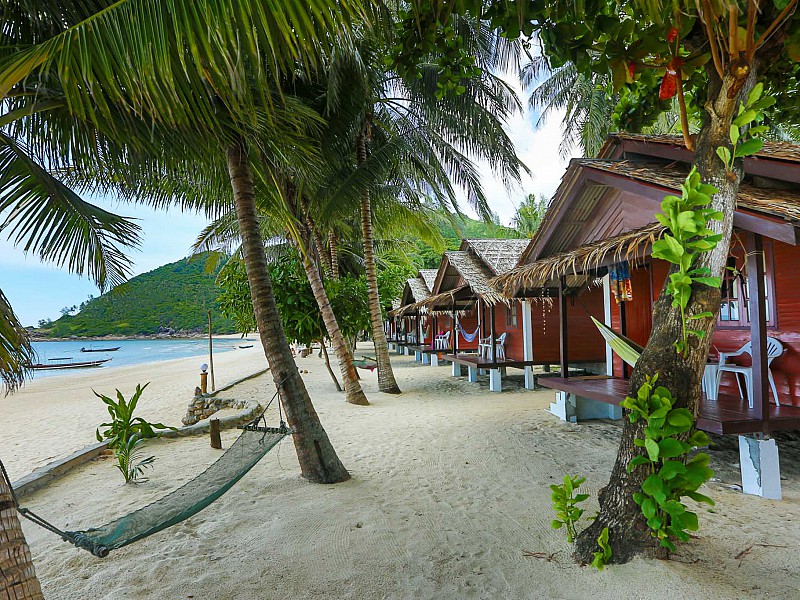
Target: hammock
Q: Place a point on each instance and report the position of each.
(626, 349)
(184, 502)
(469, 337)
(367, 363)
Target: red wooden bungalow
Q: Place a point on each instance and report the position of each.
(407, 327)
(601, 220)
(465, 308)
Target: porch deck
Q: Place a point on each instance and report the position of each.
(423, 349)
(728, 414)
(473, 360)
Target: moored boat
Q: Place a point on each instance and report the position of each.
(101, 349)
(72, 365)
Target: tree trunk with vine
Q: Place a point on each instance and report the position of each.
(386, 380)
(682, 374)
(318, 460)
(17, 574)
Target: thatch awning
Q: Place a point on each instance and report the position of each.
(631, 245)
(500, 255)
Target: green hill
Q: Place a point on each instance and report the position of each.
(175, 296)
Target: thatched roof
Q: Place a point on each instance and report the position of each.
(631, 246)
(777, 203)
(500, 255)
(475, 274)
(419, 291)
(416, 290)
(772, 150)
(428, 276)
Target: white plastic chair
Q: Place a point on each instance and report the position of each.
(442, 342)
(774, 350)
(485, 347)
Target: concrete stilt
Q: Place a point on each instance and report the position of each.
(761, 472)
(472, 374)
(426, 359)
(530, 380)
(495, 380)
(456, 370)
(434, 360)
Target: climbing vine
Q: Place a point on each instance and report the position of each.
(669, 437)
(687, 219)
(743, 134)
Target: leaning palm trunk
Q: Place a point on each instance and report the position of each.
(386, 381)
(333, 243)
(318, 460)
(680, 373)
(353, 392)
(17, 576)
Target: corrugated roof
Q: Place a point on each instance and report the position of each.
(500, 255)
(777, 203)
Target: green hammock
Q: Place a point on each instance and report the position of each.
(626, 349)
(184, 502)
(367, 363)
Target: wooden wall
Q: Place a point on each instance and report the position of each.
(785, 370)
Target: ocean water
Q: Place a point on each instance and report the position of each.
(131, 352)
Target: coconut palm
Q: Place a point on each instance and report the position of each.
(389, 122)
(72, 78)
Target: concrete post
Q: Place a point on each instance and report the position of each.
(472, 374)
(761, 471)
(495, 380)
(527, 343)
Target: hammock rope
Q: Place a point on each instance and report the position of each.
(186, 501)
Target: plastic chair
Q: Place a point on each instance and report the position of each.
(442, 342)
(774, 350)
(485, 347)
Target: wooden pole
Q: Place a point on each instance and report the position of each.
(211, 352)
(204, 382)
(758, 325)
(453, 334)
(216, 441)
(563, 333)
(623, 327)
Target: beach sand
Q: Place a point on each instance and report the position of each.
(449, 492)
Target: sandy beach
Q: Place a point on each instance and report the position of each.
(449, 495)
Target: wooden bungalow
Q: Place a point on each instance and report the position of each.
(408, 327)
(464, 308)
(601, 224)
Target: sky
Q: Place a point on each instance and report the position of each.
(39, 291)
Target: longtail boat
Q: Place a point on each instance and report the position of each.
(72, 365)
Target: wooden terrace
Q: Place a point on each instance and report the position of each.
(728, 414)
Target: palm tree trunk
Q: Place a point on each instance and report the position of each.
(17, 575)
(353, 392)
(324, 352)
(333, 244)
(318, 460)
(629, 535)
(386, 381)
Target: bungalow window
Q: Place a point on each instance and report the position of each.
(734, 308)
(511, 315)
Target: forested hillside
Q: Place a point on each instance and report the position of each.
(175, 296)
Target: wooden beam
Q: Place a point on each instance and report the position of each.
(453, 333)
(758, 324)
(563, 333)
(623, 328)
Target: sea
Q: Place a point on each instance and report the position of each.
(131, 352)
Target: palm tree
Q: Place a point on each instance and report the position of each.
(49, 57)
(394, 123)
(530, 214)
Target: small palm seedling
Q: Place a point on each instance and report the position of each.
(128, 461)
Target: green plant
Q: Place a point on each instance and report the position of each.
(565, 505)
(602, 556)
(687, 220)
(742, 135)
(669, 438)
(123, 425)
(128, 461)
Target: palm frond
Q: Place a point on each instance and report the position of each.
(16, 353)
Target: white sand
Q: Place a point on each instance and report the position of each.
(450, 487)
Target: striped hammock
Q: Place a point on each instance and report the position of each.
(626, 349)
